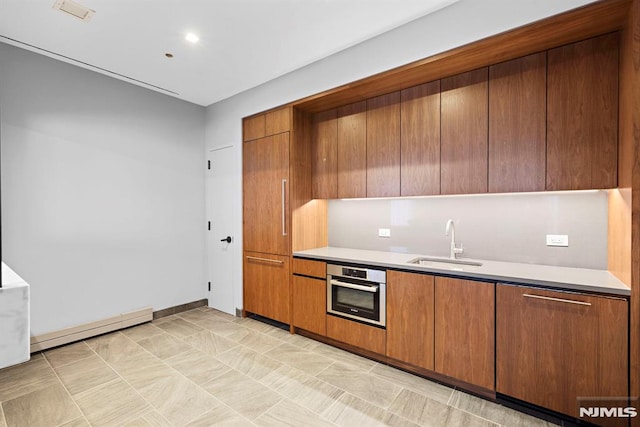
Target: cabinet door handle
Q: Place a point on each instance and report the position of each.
(284, 222)
(568, 301)
(275, 261)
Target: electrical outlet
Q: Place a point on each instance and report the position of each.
(384, 232)
(557, 240)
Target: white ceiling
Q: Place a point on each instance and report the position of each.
(243, 43)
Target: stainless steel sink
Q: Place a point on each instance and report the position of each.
(430, 261)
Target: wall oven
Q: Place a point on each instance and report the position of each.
(357, 293)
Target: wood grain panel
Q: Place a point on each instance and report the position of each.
(278, 121)
(464, 127)
(254, 128)
(517, 124)
(309, 267)
(551, 352)
(383, 145)
(310, 304)
(357, 334)
(325, 155)
(464, 330)
(265, 166)
(410, 318)
(352, 150)
(582, 115)
(420, 140)
(266, 285)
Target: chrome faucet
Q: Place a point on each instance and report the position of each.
(453, 249)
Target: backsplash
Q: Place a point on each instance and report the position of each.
(502, 227)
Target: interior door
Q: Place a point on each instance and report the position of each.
(220, 239)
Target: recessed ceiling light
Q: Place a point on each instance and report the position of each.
(168, 55)
(74, 9)
(190, 37)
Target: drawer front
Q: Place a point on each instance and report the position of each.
(311, 268)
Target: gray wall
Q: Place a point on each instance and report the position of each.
(102, 192)
(509, 227)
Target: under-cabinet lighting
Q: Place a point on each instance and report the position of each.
(542, 193)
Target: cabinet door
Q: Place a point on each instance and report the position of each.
(464, 330)
(266, 285)
(582, 115)
(266, 194)
(517, 124)
(325, 155)
(410, 318)
(277, 121)
(310, 304)
(254, 128)
(553, 347)
(356, 334)
(352, 150)
(420, 140)
(464, 127)
(383, 146)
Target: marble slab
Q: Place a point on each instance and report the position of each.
(14, 319)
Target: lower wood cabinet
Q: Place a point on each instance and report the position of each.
(357, 334)
(266, 285)
(465, 330)
(310, 304)
(555, 347)
(410, 317)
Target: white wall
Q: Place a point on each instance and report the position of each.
(456, 25)
(102, 192)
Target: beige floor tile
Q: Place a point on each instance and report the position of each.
(143, 331)
(249, 362)
(179, 327)
(2, 421)
(68, 353)
(300, 358)
(197, 366)
(46, 407)
(78, 422)
(143, 371)
(350, 411)
(255, 340)
(85, 373)
(150, 418)
(178, 399)
(116, 347)
(245, 395)
(210, 343)
(373, 389)
(248, 322)
(221, 416)
(494, 412)
(287, 413)
(431, 389)
(221, 326)
(221, 314)
(344, 357)
(25, 378)
(124, 404)
(195, 315)
(302, 388)
(294, 339)
(164, 346)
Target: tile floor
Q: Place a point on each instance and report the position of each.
(203, 367)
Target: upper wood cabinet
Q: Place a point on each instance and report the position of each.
(420, 141)
(383, 145)
(266, 124)
(554, 347)
(517, 114)
(464, 127)
(266, 194)
(410, 317)
(352, 150)
(464, 330)
(582, 115)
(324, 153)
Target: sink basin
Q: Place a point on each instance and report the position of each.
(430, 261)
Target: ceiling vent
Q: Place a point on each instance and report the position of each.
(72, 8)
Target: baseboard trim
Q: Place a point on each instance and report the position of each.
(179, 308)
(87, 330)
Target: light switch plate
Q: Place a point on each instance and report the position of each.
(384, 232)
(557, 240)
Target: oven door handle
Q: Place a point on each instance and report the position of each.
(373, 288)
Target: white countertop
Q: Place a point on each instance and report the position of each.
(579, 279)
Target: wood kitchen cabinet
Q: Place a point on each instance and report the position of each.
(464, 330)
(383, 145)
(464, 130)
(357, 334)
(553, 347)
(324, 159)
(266, 124)
(352, 150)
(420, 140)
(410, 318)
(517, 124)
(582, 115)
(266, 285)
(310, 295)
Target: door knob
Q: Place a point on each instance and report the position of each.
(226, 239)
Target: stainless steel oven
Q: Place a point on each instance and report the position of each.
(357, 293)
